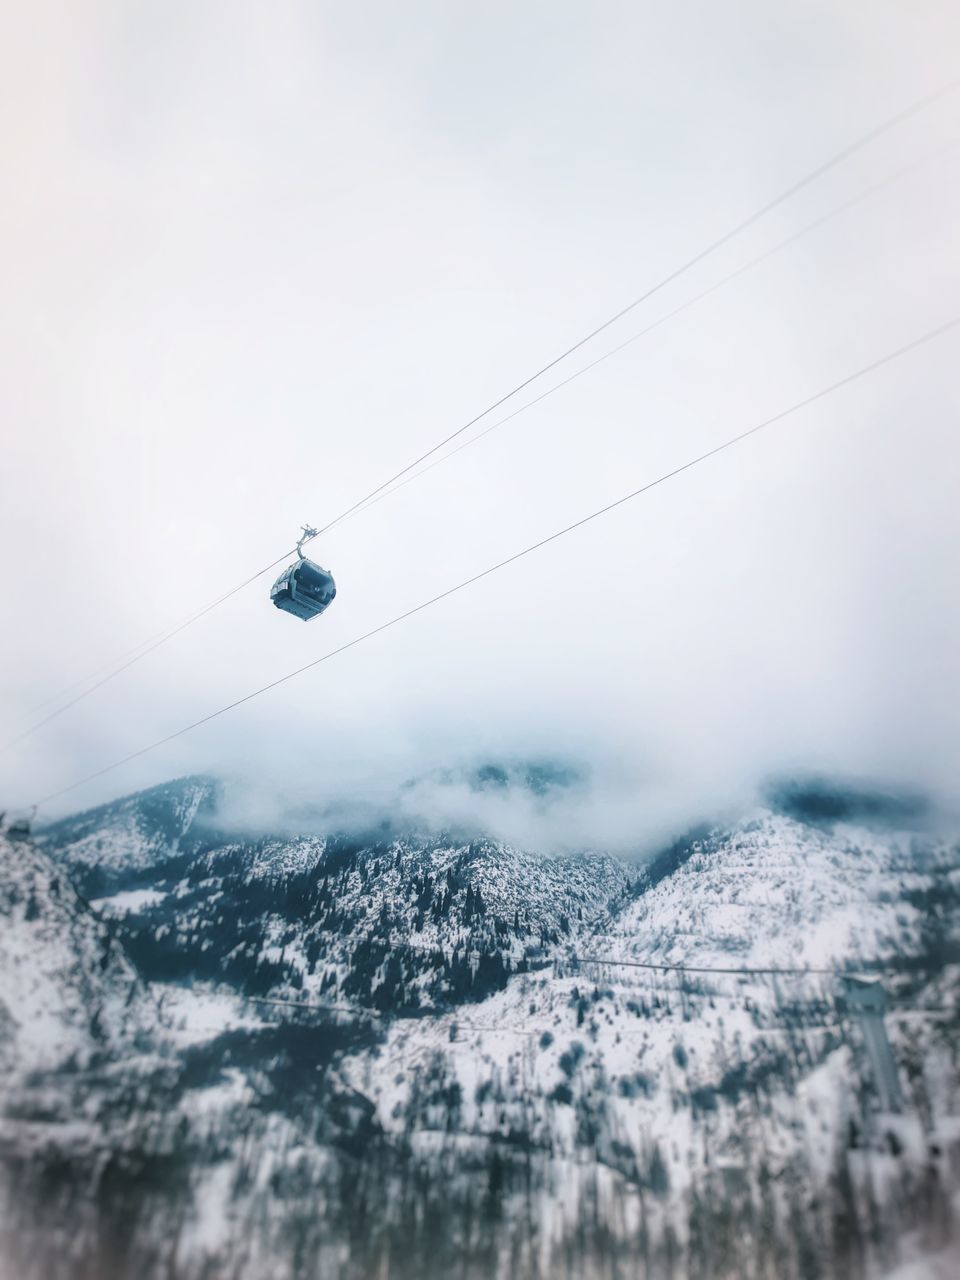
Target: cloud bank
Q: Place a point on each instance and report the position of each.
(256, 261)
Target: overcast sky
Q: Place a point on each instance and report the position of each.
(256, 258)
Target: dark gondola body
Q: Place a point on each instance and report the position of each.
(304, 589)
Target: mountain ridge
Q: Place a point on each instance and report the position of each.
(432, 1056)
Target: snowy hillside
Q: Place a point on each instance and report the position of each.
(113, 843)
(778, 892)
(68, 990)
(420, 1055)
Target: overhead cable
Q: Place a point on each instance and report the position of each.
(664, 319)
(845, 381)
(812, 176)
(836, 159)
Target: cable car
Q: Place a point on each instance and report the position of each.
(304, 589)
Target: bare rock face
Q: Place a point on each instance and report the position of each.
(421, 1055)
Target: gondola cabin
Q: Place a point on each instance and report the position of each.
(304, 589)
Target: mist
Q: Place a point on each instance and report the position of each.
(258, 261)
(578, 809)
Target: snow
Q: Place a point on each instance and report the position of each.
(128, 902)
(195, 1014)
(57, 964)
(634, 1091)
(135, 832)
(944, 1264)
(790, 895)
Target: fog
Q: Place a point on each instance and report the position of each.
(258, 258)
(602, 805)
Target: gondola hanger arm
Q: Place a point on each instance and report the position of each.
(308, 533)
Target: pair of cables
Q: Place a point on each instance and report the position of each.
(428, 459)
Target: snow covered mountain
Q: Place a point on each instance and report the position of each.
(69, 991)
(111, 844)
(419, 1054)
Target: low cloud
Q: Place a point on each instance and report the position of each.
(260, 260)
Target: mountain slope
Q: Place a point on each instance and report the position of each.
(68, 988)
(115, 844)
(422, 1055)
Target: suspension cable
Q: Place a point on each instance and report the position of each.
(750, 265)
(838, 158)
(849, 378)
(746, 971)
(812, 176)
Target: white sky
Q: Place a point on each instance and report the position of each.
(258, 257)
